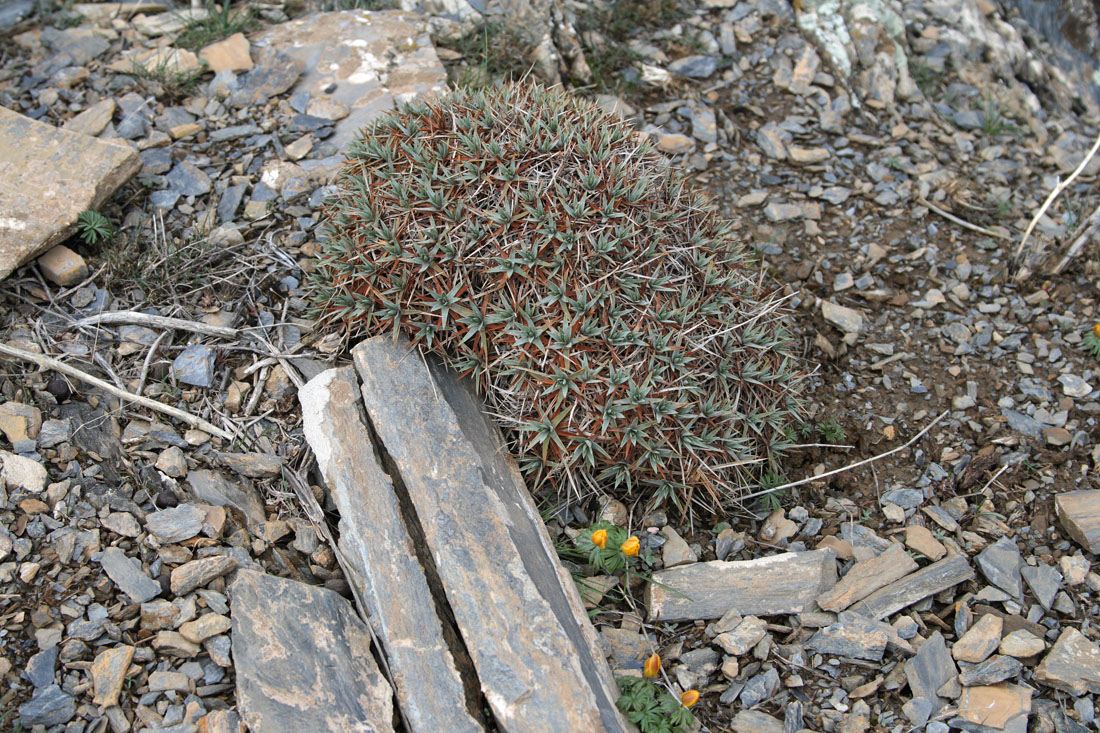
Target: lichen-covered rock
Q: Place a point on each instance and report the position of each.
(613, 323)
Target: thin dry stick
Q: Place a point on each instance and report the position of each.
(144, 319)
(961, 222)
(148, 361)
(857, 464)
(1087, 232)
(1062, 186)
(47, 363)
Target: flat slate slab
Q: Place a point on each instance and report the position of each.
(303, 659)
(785, 583)
(394, 587)
(47, 177)
(1079, 513)
(536, 654)
(866, 577)
(929, 580)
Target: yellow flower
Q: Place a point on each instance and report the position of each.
(689, 698)
(652, 665)
(1096, 330)
(631, 546)
(599, 538)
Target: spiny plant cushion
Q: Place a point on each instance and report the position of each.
(613, 324)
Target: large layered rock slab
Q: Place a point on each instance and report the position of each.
(303, 659)
(394, 587)
(518, 611)
(351, 57)
(927, 581)
(47, 177)
(786, 583)
(1079, 513)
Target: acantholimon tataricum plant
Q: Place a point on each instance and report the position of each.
(617, 330)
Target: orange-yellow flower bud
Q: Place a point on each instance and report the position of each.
(689, 698)
(652, 665)
(599, 538)
(1096, 330)
(631, 546)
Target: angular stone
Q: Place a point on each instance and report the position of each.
(754, 721)
(205, 626)
(19, 421)
(852, 636)
(164, 23)
(62, 266)
(92, 120)
(229, 54)
(172, 642)
(122, 523)
(109, 673)
(695, 67)
(22, 473)
(159, 615)
(356, 51)
(846, 319)
(930, 670)
(253, 465)
(187, 180)
(980, 640)
(773, 140)
(488, 541)
(785, 583)
(1000, 563)
(807, 156)
(106, 11)
(40, 668)
(48, 706)
(197, 573)
(272, 75)
(929, 580)
(744, 637)
(675, 551)
(1072, 664)
(998, 706)
(38, 210)
(176, 524)
(991, 671)
(1022, 643)
(393, 584)
(1044, 581)
(1079, 514)
(866, 577)
(303, 659)
(211, 487)
(919, 539)
(164, 680)
(127, 574)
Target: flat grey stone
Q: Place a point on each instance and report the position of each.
(195, 365)
(40, 210)
(1000, 563)
(1079, 513)
(176, 524)
(1072, 664)
(927, 581)
(303, 659)
(852, 636)
(48, 706)
(930, 669)
(1074, 386)
(784, 583)
(233, 132)
(905, 498)
(393, 585)
(230, 201)
(1044, 581)
(488, 541)
(164, 200)
(212, 487)
(272, 75)
(156, 161)
(754, 721)
(14, 12)
(40, 667)
(1022, 423)
(80, 44)
(187, 180)
(864, 578)
(127, 574)
(54, 433)
(695, 67)
(760, 688)
(997, 668)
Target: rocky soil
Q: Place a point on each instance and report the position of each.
(884, 174)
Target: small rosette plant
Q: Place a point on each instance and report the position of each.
(610, 549)
(1092, 341)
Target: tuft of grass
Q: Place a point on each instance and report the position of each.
(219, 24)
(164, 79)
(995, 124)
(492, 53)
(924, 77)
(618, 21)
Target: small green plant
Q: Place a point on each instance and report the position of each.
(611, 549)
(769, 482)
(923, 76)
(994, 123)
(830, 431)
(490, 54)
(166, 78)
(218, 24)
(894, 164)
(653, 708)
(93, 227)
(1092, 341)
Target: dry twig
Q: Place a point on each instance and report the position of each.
(58, 366)
(1062, 186)
(144, 319)
(961, 222)
(1084, 234)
